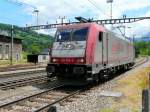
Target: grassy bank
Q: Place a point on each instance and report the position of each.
(131, 87)
(4, 63)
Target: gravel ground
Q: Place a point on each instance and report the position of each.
(90, 101)
(12, 95)
(22, 92)
(93, 101)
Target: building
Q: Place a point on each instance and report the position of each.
(5, 48)
(44, 56)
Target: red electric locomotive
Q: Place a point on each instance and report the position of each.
(87, 52)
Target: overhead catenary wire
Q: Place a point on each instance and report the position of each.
(17, 2)
(91, 2)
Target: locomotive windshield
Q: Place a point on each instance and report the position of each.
(71, 35)
(63, 35)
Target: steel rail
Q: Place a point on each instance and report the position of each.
(14, 68)
(20, 73)
(141, 62)
(22, 82)
(31, 96)
(62, 99)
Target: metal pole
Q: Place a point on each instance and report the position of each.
(130, 30)
(12, 41)
(149, 81)
(124, 30)
(111, 10)
(146, 100)
(133, 39)
(62, 19)
(111, 2)
(37, 18)
(111, 14)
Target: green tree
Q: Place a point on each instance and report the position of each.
(142, 48)
(34, 49)
(32, 42)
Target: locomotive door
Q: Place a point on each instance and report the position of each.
(99, 56)
(105, 49)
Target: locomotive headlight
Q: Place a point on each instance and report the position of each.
(54, 60)
(81, 60)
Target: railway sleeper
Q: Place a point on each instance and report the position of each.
(18, 108)
(40, 100)
(30, 104)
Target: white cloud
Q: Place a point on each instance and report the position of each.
(142, 27)
(50, 10)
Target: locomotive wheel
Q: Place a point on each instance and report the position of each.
(104, 76)
(49, 76)
(96, 79)
(126, 67)
(114, 71)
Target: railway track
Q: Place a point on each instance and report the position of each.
(20, 67)
(21, 72)
(40, 101)
(23, 82)
(39, 79)
(43, 100)
(142, 61)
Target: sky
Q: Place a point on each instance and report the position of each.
(21, 12)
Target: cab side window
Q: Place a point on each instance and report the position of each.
(100, 37)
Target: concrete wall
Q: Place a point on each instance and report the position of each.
(5, 51)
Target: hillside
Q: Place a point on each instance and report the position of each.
(33, 42)
(145, 39)
(142, 48)
(148, 34)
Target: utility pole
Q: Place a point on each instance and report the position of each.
(149, 81)
(130, 30)
(37, 19)
(134, 37)
(62, 19)
(12, 42)
(111, 2)
(37, 16)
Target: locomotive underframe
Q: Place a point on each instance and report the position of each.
(69, 72)
(82, 74)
